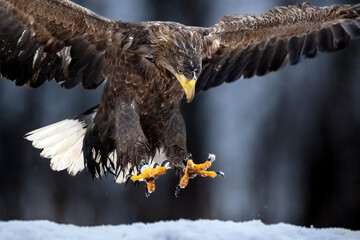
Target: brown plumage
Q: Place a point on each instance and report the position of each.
(148, 67)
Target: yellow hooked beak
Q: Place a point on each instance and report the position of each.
(188, 86)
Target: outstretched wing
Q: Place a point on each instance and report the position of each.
(42, 40)
(247, 45)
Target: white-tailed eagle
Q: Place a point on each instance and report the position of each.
(148, 67)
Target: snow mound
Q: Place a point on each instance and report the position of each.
(181, 229)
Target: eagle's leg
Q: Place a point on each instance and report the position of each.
(175, 141)
(132, 146)
(192, 170)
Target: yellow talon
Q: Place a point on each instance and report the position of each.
(151, 186)
(149, 175)
(192, 170)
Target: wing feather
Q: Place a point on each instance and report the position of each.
(248, 45)
(41, 40)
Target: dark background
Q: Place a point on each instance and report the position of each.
(288, 142)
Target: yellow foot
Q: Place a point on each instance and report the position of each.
(148, 175)
(192, 170)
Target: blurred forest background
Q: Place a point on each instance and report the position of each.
(288, 142)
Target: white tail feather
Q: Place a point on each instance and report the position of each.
(73, 153)
(62, 142)
(47, 131)
(65, 152)
(53, 138)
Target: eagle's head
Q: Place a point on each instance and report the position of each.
(185, 66)
(187, 71)
(180, 54)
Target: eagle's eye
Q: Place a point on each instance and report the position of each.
(150, 58)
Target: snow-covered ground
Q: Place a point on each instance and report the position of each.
(170, 230)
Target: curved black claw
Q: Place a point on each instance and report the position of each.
(164, 163)
(184, 162)
(136, 183)
(177, 190)
(141, 165)
(147, 193)
(222, 174)
(211, 157)
(128, 177)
